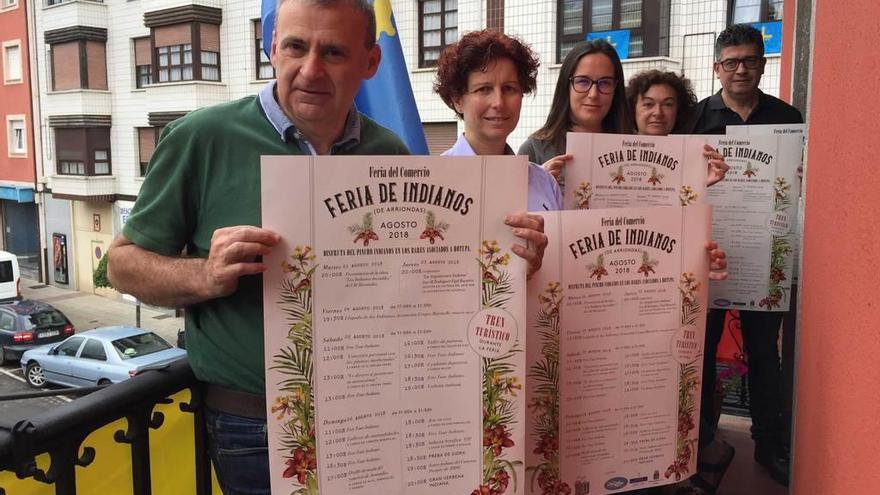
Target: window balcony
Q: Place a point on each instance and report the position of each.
(83, 186)
(636, 65)
(79, 102)
(185, 95)
(73, 13)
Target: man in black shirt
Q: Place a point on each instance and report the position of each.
(739, 54)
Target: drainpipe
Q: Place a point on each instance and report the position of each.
(33, 75)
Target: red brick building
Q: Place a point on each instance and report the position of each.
(18, 212)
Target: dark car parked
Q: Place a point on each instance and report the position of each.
(26, 324)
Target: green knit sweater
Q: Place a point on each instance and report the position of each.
(204, 175)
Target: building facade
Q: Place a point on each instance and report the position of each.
(675, 35)
(19, 220)
(111, 76)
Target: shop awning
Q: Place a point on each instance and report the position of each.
(19, 194)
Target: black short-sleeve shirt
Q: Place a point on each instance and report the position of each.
(712, 116)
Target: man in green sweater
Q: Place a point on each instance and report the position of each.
(201, 197)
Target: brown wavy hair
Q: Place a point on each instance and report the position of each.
(476, 51)
(684, 94)
(558, 122)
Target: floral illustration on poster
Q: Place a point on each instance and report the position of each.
(648, 264)
(690, 303)
(688, 383)
(685, 445)
(296, 408)
(434, 229)
(687, 195)
(780, 248)
(364, 230)
(582, 194)
(545, 405)
(597, 269)
(500, 385)
(655, 178)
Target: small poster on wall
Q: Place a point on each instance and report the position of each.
(59, 258)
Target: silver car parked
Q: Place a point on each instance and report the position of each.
(97, 357)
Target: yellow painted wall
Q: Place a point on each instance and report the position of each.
(87, 238)
(172, 460)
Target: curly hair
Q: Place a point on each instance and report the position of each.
(476, 51)
(640, 83)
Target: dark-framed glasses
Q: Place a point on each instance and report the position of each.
(731, 64)
(583, 84)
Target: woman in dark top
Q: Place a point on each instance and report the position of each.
(589, 97)
(663, 103)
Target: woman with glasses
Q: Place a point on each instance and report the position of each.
(589, 97)
(483, 77)
(663, 103)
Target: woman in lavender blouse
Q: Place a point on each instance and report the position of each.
(483, 78)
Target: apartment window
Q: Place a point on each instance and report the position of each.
(264, 69)
(144, 75)
(71, 167)
(102, 162)
(12, 62)
(646, 22)
(438, 27)
(187, 52)
(143, 67)
(16, 136)
(749, 11)
(83, 151)
(80, 64)
(174, 63)
(147, 139)
(210, 66)
(8, 4)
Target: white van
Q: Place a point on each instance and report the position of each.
(10, 278)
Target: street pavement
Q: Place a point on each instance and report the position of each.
(87, 311)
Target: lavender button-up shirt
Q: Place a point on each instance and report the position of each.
(544, 193)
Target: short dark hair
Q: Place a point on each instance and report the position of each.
(684, 94)
(476, 51)
(558, 122)
(739, 34)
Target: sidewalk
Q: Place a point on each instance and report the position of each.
(87, 310)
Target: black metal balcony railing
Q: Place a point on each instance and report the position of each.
(71, 437)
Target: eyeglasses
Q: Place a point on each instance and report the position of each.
(583, 84)
(731, 64)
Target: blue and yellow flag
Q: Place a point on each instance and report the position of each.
(388, 97)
